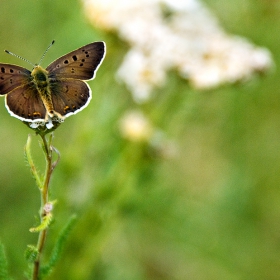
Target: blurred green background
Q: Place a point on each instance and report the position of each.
(212, 211)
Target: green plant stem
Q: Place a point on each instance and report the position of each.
(44, 200)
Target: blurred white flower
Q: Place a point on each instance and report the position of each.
(143, 76)
(175, 34)
(135, 127)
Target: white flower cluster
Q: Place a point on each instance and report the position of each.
(175, 34)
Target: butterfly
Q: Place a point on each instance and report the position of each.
(55, 93)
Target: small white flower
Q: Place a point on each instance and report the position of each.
(48, 207)
(135, 127)
(34, 125)
(49, 124)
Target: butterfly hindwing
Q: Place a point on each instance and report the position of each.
(25, 104)
(69, 96)
(12, 76)
(79, 64)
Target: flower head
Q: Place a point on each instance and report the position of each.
(42, 127)
(175, 34)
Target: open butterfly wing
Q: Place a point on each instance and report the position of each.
(79, 64)
(25, 103)
(12, 76)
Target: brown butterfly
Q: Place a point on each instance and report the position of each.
(54, 93)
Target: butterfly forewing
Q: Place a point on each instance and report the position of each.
(79, 64)
(70, 96)
(25, 103)
(12, 76)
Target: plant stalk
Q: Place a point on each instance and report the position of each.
(47, 148)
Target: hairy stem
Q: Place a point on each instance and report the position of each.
(47, 148)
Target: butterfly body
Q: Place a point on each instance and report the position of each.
(41, 82)
(53, 93)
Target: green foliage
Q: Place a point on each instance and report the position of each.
(3, 264)
(46, 221)
(58, 247)
(31, 253)
(28, 157)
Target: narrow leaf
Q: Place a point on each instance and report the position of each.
(44, 224)
(57, 250)
(27, 152)
(3, 264)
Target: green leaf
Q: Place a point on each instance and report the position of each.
(57, 250)
(27, 153)
(44, 224)
(3, 265)
(31, 253)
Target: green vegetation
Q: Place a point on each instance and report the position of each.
(211, 210)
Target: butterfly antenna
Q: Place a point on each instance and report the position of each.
(24, 59)
(45, 52)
